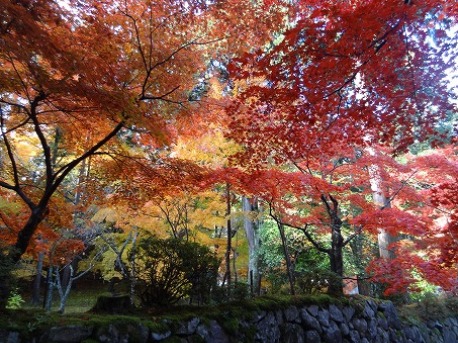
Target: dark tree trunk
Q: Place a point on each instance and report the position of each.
(289, 265)
(36, 217)
(336, 259)
(337, 245)
(284, 243)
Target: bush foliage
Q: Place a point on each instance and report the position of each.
(172, 269)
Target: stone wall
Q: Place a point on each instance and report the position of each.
(364, 322)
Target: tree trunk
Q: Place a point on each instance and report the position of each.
(336, 259)
(289, 265)
(49, 290)
(337, 244)
(36, 217)
(227, 275)
(37, 281)
(356, 245)
(133, 271)
(64, 291)
(251, 229)
(379, 198)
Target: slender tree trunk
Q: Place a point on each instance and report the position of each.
(378, 194)
(356, 245)
(289, 265)
(49, 289)
(64, 291)
(227, 276)
(133, 271)
(251, 229)
(81, 179)
(37, 281)
(284, 243)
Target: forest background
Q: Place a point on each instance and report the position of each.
(290, 146)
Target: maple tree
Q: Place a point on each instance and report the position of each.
(143, 107)
(432, 252)
(72, 72)
(94, 71)
(342, 78)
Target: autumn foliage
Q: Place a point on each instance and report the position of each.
(137, 114)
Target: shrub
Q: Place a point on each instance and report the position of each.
(172, 269)
(15, 300)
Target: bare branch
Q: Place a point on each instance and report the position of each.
(44, 144)
(309, 237)
(353, 235)
(62, 172)
(161, 97)
(9, 149)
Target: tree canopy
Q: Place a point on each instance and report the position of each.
(149, 108)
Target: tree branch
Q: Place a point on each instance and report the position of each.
(62, 172)
(44, 144)
(309, 237)
(352, 236)
(17, 188)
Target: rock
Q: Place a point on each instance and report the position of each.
(383, 335)
(258, 316)
(372, 328)
(9, 337)
(323, 317)
(279, 317)
(368, 311)
(381, 321)
(312, 337)
(212, 333)
(67, 334)
(449, 335)
(355, 336)
(332, 333)
(336, 314)
(188, 328)
(111, 334)
(451, 322)
(431, 324)
(268, 328)
(373, 305)
(291, 314)
(313, 310)
(293, 333)
(344, 329)
(390, 314)
(414, 334)
(396, 336)
(160, 336)
(310, 322)
(348, 312)
(138, 333)
(360, 325)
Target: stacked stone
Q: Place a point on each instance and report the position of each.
(370, 322)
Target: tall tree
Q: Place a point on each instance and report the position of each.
(341, 75)
(89, 72)
(93, 72)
